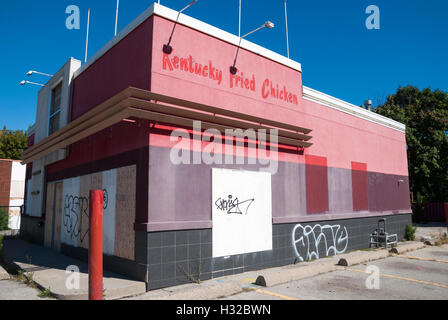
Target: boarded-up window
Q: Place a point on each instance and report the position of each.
(241, 212)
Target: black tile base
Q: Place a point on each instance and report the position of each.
(179, 257)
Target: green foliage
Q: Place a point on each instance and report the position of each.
(4, 220)
(12, 144)
(409, 233)
(26, 278)
(425, 113)
(45, 294)
(194, 278)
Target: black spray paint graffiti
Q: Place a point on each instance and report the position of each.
(310, 242)
(76, 209)
(232, 205)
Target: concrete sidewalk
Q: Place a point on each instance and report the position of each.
(49, 272)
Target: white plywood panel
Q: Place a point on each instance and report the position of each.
(70, 212)
(241, 212)
(109, 199)
(18, 171)
(14, 222)
(17, 189)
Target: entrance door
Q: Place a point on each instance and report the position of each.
(53, 216)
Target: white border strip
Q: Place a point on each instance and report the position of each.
(162, 11)
(335, 103)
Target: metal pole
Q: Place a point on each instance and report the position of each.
(192, 3)
(239, 20)
(287, 35)
(116, 17)
(252, 32)
(36, 84)
(96, 245)
(87, 37)
(44, 74)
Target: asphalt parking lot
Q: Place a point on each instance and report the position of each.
(421, 274)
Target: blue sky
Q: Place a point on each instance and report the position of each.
(339, 55)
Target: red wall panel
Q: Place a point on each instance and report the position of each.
(127, 64)
(316, 185)
(119, 138)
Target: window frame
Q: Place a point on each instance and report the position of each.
(52, 115)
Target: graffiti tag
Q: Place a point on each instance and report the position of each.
(311, 242)
(75, 210)
(233, 205)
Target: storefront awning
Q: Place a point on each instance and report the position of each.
(138, 103)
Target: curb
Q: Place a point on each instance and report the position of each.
(209, 292)
(407, 247)
(359, 257)
(276, 277)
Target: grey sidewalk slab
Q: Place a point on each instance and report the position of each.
(49, 271)
(13, 290)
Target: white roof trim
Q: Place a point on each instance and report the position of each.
(335, 103)
(190, 22)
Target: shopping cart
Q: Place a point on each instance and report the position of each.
(381, 238)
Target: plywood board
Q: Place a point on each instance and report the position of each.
(109, 179)
(58, 215)
(119, 187)
(49, 212)
(125, 213)
(83, 211)
(241, 212)
(70, 215)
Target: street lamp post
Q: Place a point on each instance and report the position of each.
(167, 49)
(31, 72)
(267, 24)
(22, 83)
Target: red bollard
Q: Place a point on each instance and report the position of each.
(96, 246)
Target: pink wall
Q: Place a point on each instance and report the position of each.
(340, 137)
(138, 61)
(203, 49)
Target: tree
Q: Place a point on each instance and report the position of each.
(12, 144)
(425, 114)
